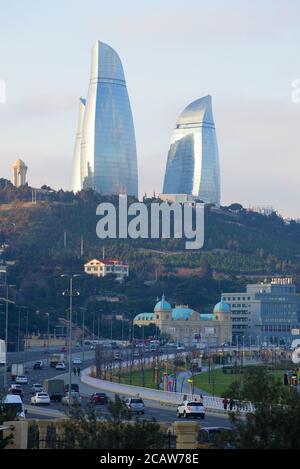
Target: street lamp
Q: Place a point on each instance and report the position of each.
(71, 293)
(83, 326)
(7, 301)
(48, 329)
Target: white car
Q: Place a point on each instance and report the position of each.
(191, 409)
(74, 399)
(60, 366)
(40, 398)
(136, 405)
(77, 361)
(36, 388)
(22, 379)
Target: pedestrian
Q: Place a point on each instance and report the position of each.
(74, 371)
(201, 398)
(231, 403)
(225, 403)
(78, 371)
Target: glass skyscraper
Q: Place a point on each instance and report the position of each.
(193, 160)
(107, 156)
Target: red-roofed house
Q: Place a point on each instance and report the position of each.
(103, 267)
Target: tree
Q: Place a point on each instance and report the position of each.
(275, 423)
(86, 428)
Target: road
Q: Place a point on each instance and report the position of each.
(153, 410)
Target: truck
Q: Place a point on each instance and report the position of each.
(55, 388)
(56, 358)
(17, 369)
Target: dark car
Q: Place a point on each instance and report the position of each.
(16, 391)
(38, 365)
(215, 438)
(8, 368)
(74, 387)
(99, 398)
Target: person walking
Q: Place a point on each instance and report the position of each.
(78, 371)
(74, 371)
(225, 403)
(231, 403)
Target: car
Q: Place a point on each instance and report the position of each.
(72, 398)
(21, 379)
(74, 387)
(60, 366)
(16, 390)
(215, 437)
(77, 361)
(117, 357)
(40, 398)
(136, 353)
(92, 347)
(8, 368)
(99, 398)
(36, 388)
(13, 408)
(63, 350)
(136, 405)
(191, 409)
(38, 365)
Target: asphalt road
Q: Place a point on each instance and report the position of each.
(153, 410)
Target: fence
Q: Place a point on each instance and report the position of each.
(166, 397)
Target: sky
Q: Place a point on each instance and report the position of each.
(244, 53)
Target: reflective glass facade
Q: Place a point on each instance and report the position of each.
(193, 160)
(76, 173)
(108, 150)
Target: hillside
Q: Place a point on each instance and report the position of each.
(43, 240)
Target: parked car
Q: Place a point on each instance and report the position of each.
(215, 437)
(136, 405)
(63, 350)
(38, 365)
(191, 409)
(21, 379)
(40, 398)
(99, 398)
(37, 388)
(60, 366)
(77, 361)
(72, 398)
(180, 347)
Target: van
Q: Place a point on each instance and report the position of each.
(13, 407)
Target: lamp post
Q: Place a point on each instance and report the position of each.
(83, 326)
(70, 293)
(7, 301)
(48, 330)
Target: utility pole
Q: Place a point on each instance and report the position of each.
(65, 239)
(81, 246)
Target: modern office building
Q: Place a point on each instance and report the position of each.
(108, 159)
(193, 160)
(76, 174)
(266, 312)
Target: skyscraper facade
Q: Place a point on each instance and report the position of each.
(107, 160)
(76, 174)
(193, 159)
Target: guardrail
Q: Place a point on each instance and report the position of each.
(166, 397)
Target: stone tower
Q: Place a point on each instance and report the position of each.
(19, 173)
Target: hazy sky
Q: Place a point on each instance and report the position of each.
(244, 53)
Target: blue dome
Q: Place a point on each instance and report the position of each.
(144, 317)
(222, 307)
(181, 313)
(162, 305)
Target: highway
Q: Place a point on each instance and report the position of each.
(153, 410)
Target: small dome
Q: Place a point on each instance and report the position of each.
(222, 307)
(163, 305)
(144, 317)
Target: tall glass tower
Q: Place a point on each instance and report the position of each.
(193, 160)
(76, 174)
(108, 159)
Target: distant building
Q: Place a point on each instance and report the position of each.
(193, 158)
(19, 173)
(179, 198)
(186, 326)
(266, 311)
(103, 267)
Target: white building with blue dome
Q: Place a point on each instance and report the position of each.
(186, 326)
